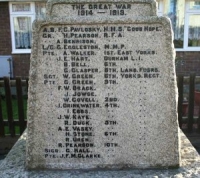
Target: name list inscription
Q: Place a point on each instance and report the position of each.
(93, 61)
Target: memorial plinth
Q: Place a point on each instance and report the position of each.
(102, 88)
(14, 166)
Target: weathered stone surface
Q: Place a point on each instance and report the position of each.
(14, 166)
(133, 8)
(102, 89)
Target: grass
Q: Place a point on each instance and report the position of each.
(15, 113)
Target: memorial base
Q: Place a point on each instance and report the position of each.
(14, 165)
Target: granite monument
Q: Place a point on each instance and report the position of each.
(102, 89)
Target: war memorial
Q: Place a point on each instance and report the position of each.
(102, 95)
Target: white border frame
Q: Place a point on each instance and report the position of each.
(187, 13)
(31, 14)
(32, 8)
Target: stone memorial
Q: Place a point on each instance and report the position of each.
(102, 89)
